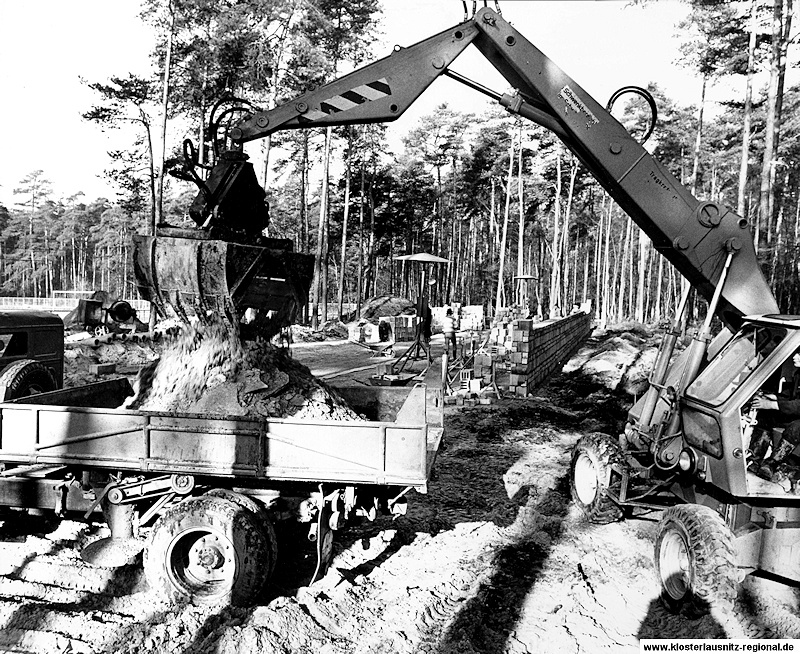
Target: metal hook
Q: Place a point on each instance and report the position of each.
(648, 97)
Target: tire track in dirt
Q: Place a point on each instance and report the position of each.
(494, 559)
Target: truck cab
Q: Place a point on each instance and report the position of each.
(32, 336)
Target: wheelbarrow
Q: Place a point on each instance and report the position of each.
(379, 350)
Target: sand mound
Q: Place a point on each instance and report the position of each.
(384, 305)
(208, 370)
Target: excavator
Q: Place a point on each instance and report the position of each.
(225, 266)
(689, 446)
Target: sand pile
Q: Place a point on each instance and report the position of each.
(208, 370)
(384, 305)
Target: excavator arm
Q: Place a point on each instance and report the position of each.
(694, 236)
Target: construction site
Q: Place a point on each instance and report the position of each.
(541, 441)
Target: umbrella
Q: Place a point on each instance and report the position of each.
(422, 257)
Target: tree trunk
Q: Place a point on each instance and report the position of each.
(521, 230)
(606, 296)
(659, 284)
(372, 272)
(564, 248)
(771, 127)
(776, 250)
(164, 107)
(344, 221)
(555, 264)
(748, 111)
(320, 260)
(360, 280)
(625, 267)
(699, 138)
(500, 271)
(598, 243)
(278, 49)
(640, 287)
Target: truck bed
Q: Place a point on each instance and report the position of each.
(77, 427)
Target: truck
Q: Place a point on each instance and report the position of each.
(687, 448)
(214, 489)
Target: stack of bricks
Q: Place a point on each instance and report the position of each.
(403, 327)
(526, 352)
(482, 368)
(472, 318)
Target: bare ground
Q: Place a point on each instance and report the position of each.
(495, 558)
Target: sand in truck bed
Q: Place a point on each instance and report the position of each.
(209, 370)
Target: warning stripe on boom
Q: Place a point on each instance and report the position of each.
(347, 100)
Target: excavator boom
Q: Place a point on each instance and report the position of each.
(694, 236)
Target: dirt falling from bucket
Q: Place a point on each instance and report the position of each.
(208, 370)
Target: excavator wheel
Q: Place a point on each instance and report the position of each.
(695, 561)
(208, 550)
(25, 377)
(592, 459)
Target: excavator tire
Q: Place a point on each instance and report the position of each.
(261, 515)
(25, 377)
(592, 458)
(695, 561)
(208, 550)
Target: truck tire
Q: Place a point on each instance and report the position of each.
(694, 560)
(25, 377)
(592, 457)
(261, 515)
(208, 550)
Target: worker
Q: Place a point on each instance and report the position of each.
(425, 330)
(787, 405)
(449, 331)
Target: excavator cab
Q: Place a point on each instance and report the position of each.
(224, 266)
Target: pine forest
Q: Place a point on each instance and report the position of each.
(497, 195)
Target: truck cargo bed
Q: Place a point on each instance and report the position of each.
(72, 427)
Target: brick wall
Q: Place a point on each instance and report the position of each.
(526, 352)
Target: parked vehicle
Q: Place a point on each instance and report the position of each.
(216, 488)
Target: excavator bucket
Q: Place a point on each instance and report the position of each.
(185, 274)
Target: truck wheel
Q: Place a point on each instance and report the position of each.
(694, 560)
(25, 377)
(208, 550)
(261, 515)
(592, 457)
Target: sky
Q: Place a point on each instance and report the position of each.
(48, 46)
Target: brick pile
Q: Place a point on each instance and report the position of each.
(525, 352)
(403, 326)
(472, 318)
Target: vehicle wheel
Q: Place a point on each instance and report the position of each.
(261, 515)
(25, 377)
(592, 457)
(208, 550)
(694, 560)
(100, 330)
